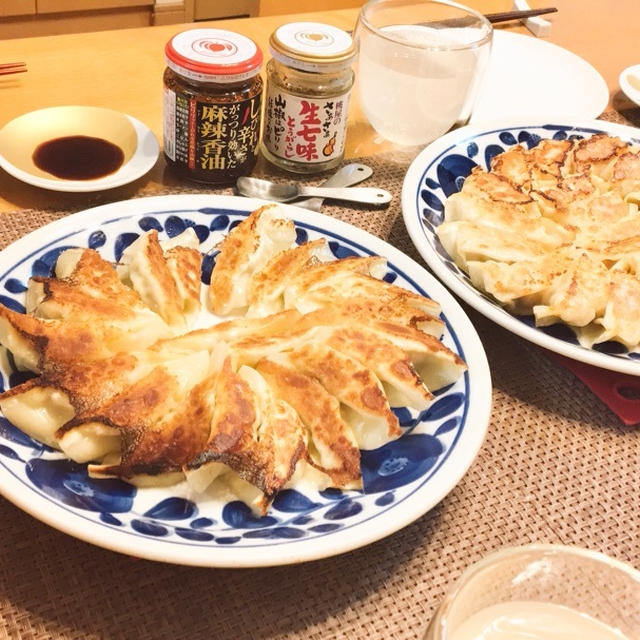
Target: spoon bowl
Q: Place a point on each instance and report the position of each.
(266, 190)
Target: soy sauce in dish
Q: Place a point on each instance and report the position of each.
(78, 157)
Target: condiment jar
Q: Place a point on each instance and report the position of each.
(212, 104)
(309, 79)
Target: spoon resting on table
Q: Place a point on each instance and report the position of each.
(347, 176)
(256, 188)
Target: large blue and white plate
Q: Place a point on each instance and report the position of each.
(440, 169)
(403, 479)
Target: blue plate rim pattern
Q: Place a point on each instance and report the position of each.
(424, 238)
(449, 470)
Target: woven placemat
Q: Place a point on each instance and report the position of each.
(556, 466)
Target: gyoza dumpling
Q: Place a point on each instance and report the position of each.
(25, 349)
(551, 156)
(495, 187)
(253, 434)
(184, 260)
(436, 365)
(391, 364)
(281, 435)
(520, 285)
(468, 205)
(521, 166)
(626, 173)
(164, 418)
(309, 294)
(88, 291)
(597, 154)
(332, 446)
(501, 216)
(365, 310)
(365, 406)
(35, 342)
(578, 296)
(38, 411)
(245, 251)
(266, 287)
(512, 165)
(240, 333)
(69, 407)
(619, 321)
(184, 265)
(85, 286)
(319, 274)
(145, 267)
(469, 241)
(329, 275)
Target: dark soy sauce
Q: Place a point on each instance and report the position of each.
(78, 157)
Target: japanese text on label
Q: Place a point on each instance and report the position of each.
(305, 130)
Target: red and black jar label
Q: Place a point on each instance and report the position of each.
(208, 140)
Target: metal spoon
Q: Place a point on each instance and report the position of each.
(347, 176)
(255, 188)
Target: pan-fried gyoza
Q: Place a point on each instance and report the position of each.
(298, 370)
(554, 231)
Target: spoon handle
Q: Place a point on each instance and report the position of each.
(367, 195)
(349, 175)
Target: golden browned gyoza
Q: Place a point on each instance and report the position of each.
(294, 368)
(554, 231)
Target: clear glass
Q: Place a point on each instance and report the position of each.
(306, 84)
(587, 582)
(420, 65)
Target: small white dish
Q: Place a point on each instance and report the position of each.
(629, 81)
(440, 169)
(528, 76)
(20, 138)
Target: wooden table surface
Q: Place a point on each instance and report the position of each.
(123, 69)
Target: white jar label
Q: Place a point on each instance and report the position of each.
(169, 123)
(305, 130)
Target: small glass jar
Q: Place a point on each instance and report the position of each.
(212, 105)
(309, 81)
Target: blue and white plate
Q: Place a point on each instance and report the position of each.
(403, 479)
(440, 169)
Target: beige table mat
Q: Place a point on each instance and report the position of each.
(556, 466)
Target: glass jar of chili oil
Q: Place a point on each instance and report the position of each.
(212, 102)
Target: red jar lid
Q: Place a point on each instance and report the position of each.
(213, 55)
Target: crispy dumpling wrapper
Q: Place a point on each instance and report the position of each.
(554, 231)
(267, 285)
(165, 280)
(287, 390)
(365, 407)
(332, 447)
(246, 250)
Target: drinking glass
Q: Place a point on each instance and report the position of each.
(542, 591)
(420, 64)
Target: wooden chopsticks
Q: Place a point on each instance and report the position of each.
(505, 16)
(12, 67)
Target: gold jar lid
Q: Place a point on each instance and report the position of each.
(312, 46)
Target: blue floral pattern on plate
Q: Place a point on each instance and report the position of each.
(440, 170)
(174, 515)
